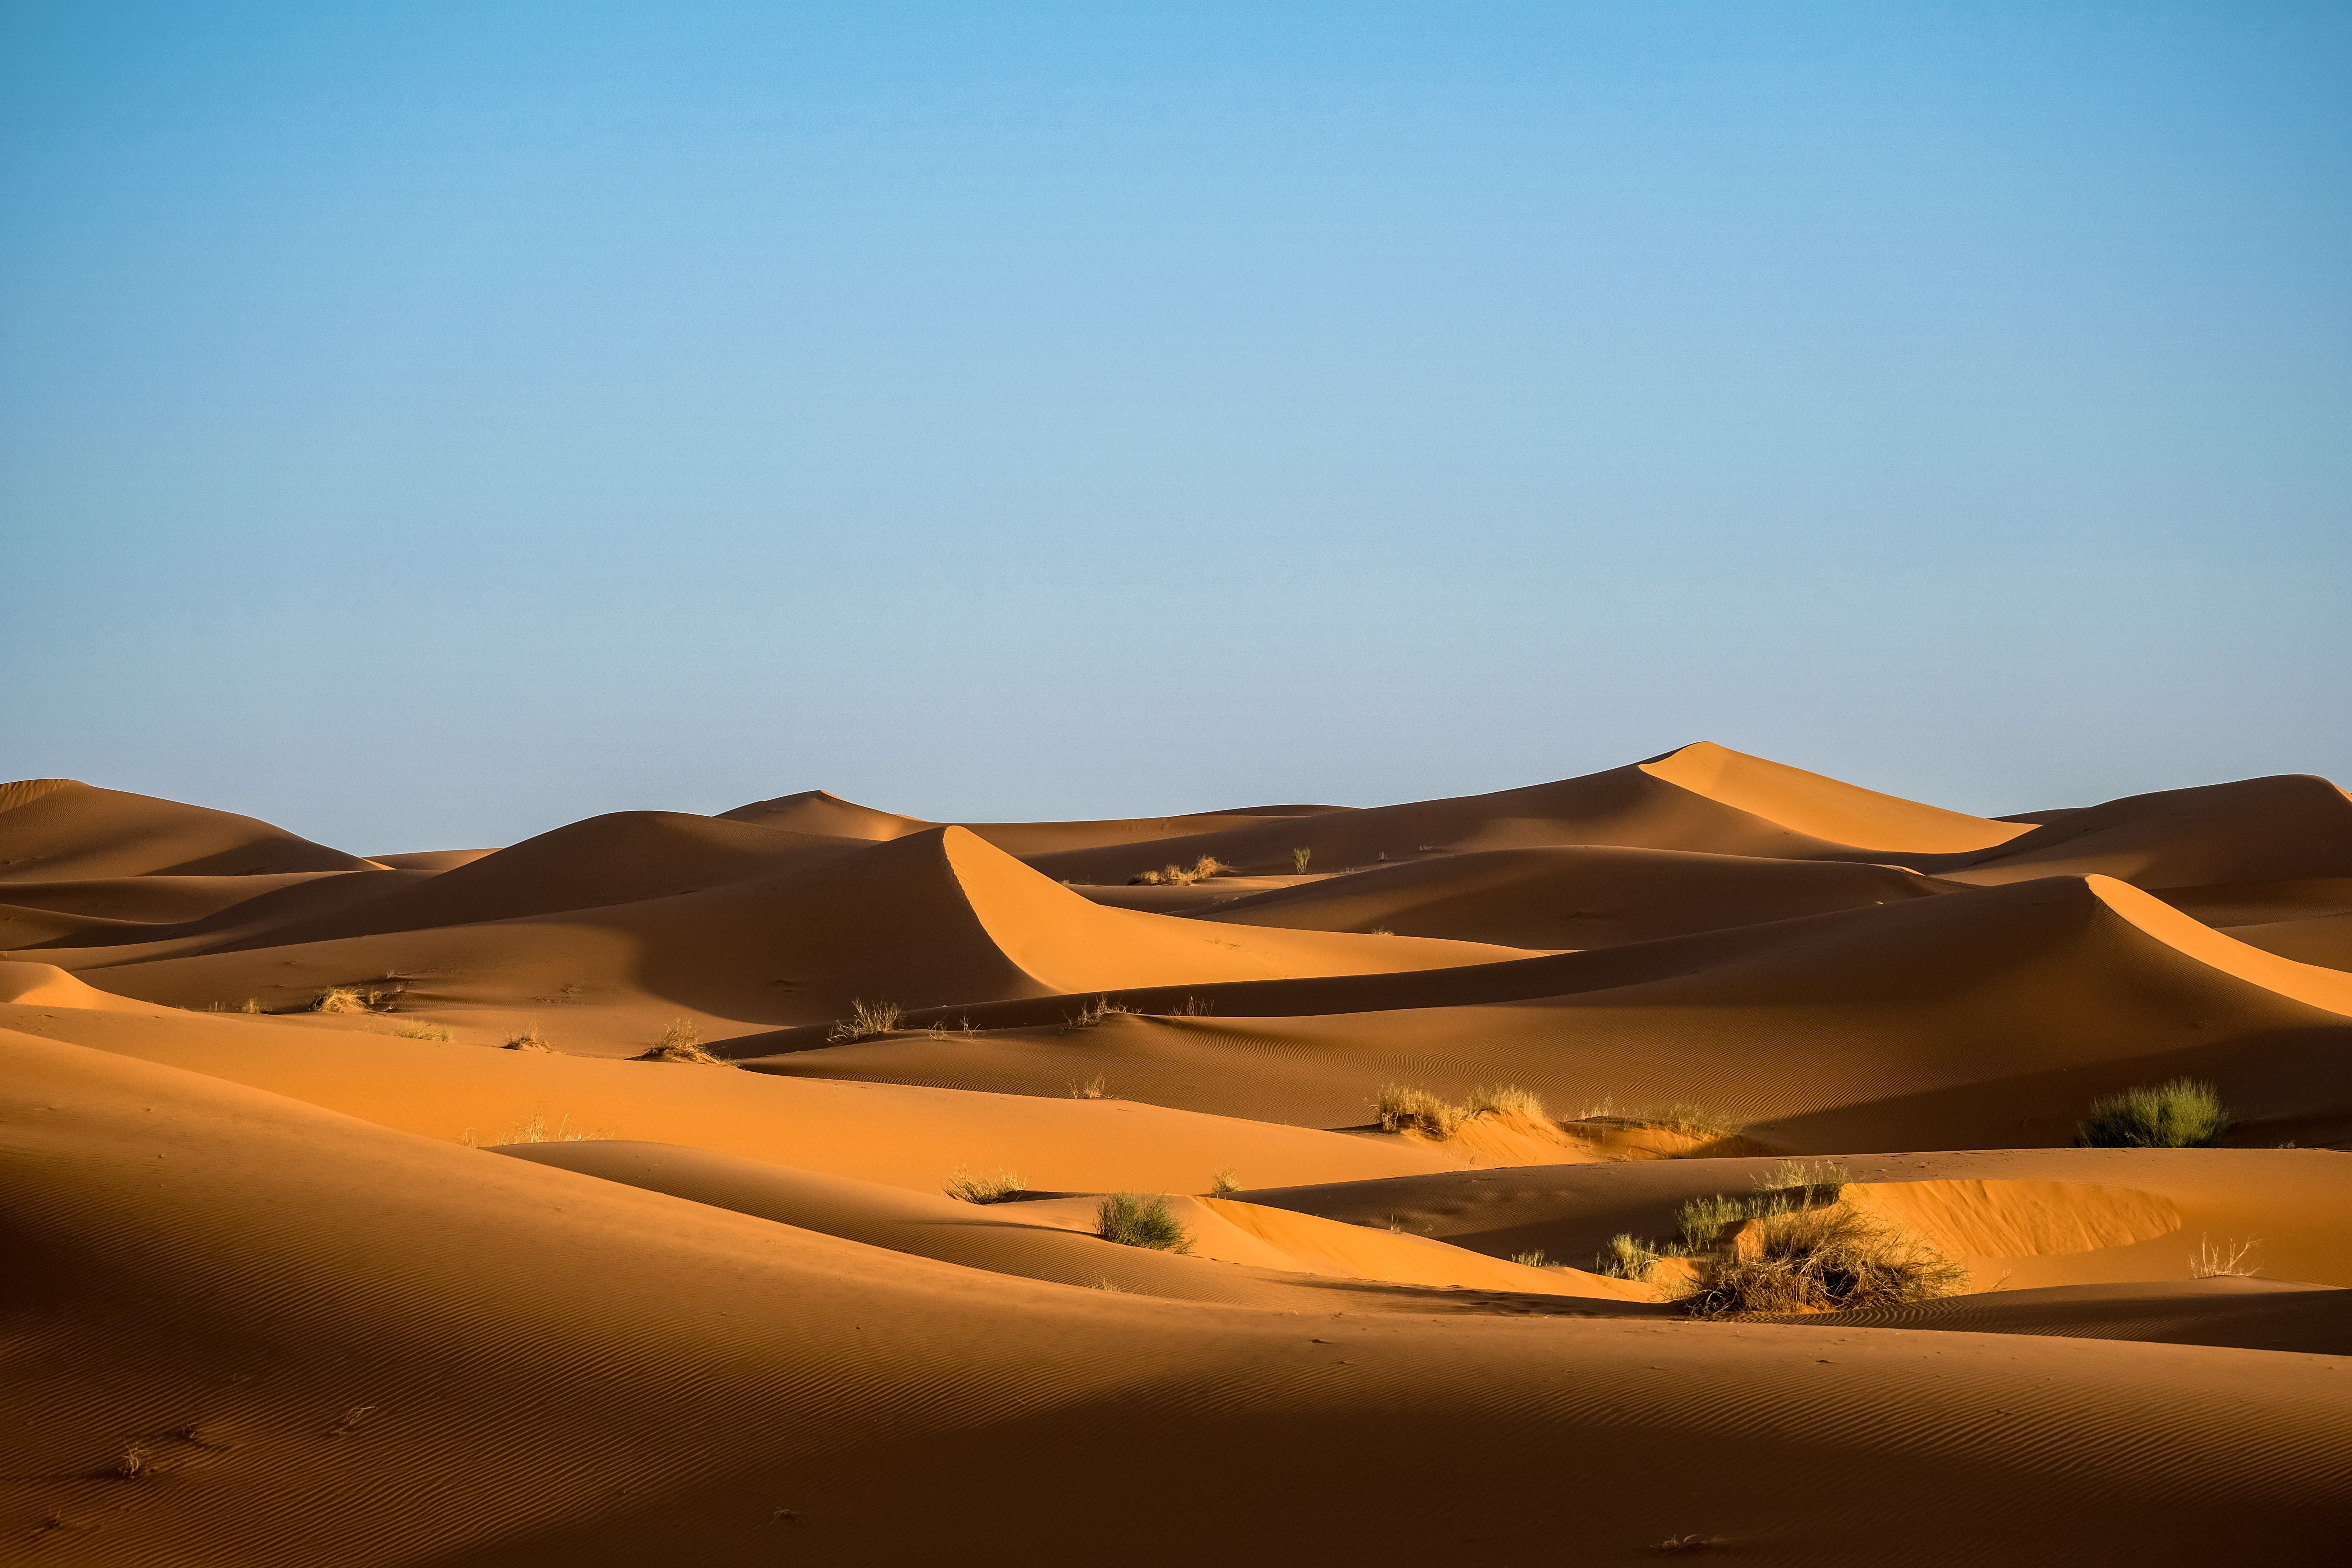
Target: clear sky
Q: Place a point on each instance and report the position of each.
(426, 424)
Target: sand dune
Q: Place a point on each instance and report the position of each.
(931, 919)
(2290, 827)
(57, 829)
(1047, 1239)
(391, 1330)
(399, 1283)
(1985, 1019)
(1579, 897)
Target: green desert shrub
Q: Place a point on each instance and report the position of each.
(1702, 1220)
(1625, 1259)
(1824, 1259)
(1141, 1219)
(2181, 1114)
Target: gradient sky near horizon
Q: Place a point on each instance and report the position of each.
(423, 424)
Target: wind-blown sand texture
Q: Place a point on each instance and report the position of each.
(352, 1220)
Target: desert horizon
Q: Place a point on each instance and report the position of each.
(812, 1183)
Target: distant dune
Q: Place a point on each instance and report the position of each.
(1284, 1184)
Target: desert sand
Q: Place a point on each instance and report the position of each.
(355, 1217)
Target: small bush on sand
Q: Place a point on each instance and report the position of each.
(1200, 870)
(1141, 1219)
(1625, 1259)
(2225, 1261)
(1095, 1088)
(137, 1461)
(252, 1004)
(1701, 1221)
(865, 1020)
(1225, 1184)
(1534, 1259)
(2181, 1114)
(1299, 858)
(1096, 1011)
(352, 999)
(1828, 1259)
(681, 1042)
(1798, 1185)
(965, 1187)
(536, 1129)
(1401, 1107)
(1505, 1100)
(423, 1031)
(530, 1039)
(1690, 1121)
(1192, 1007)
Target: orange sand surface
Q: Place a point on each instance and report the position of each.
(353, 1216)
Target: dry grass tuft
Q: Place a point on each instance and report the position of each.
(1818, 1261)
(1192, 1007)
(1200, 870)
(349, 999)
(2181, 1114)
(251, 1005)
(963, 1031)
(136, 1463)
(1096, 1011)
(681, 1042)
(1505, 1100)
(1104, 1283)
(865, 1020)
(965, 1187)
(426, 1032)
(1095, 1088)
(535, 1129)
(1534, 1259)
(1401, 1107)
(1141, 1219)
(1225, 1184)
(2227, 1261)
(530, 1039)
(1690, 1121)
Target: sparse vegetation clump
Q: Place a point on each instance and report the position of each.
(137, 1462)
(2227, 1261)
(1401, 1108)
(2181, 1114)
(1625, 1259)
(865, 1020)
(530, 1039)
(1298, 859)
(1200, 870)
(1821, 1259)
(1701, 1221)
(1534, 1259)
(1141, 1219)
(1225, 1184)
(965, 1187)
(251, 1005)
(536, 1129)
(681, 1042)
(1690, 1121)
(1096, 1011)
(1095, 1088)
(423, 1031)
(350, 999)
(1505, 1100)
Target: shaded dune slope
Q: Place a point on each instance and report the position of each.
(61, 829)
(2249, 1314)
(2288, 827)
(393, 1330)
(935, 917)
(1575, 897)
(816, 811)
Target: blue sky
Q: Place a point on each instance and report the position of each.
(423, 424)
